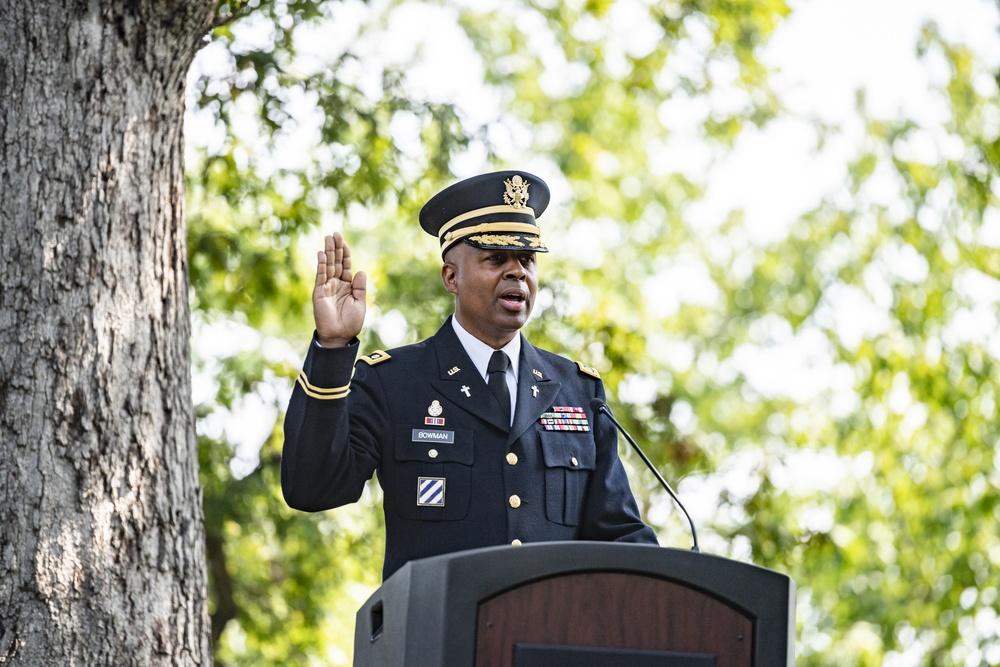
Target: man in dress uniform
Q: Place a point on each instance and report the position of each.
(478, 438)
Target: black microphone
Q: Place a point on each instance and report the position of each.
(597, 405)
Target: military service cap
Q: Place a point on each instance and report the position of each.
(494, 211)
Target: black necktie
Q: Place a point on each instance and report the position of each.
(496, 373)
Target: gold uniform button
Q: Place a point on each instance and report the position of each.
(516, 543)
(433, 453)
(512, 458)
(515, 501)
(574, 461)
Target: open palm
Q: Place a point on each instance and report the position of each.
(338, 298)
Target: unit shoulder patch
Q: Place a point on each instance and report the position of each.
(376, 357)
(588, 370)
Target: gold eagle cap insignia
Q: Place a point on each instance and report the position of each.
(516, 193)
(376, 357)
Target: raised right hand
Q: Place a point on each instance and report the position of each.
(338, 299)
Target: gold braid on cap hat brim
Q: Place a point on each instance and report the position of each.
(533, 242)
(448, 236)
(488, 233)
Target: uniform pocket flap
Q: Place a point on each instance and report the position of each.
(434, 445)
(566, 449)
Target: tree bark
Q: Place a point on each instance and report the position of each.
(101, 536)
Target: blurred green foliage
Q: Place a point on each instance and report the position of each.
(875, 486)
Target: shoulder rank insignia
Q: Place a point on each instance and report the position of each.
(376, 357)
(588, 370)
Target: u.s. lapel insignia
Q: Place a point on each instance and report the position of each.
(430, 491)
(453, 370)
(564, 418)
(434, 410)
(538, 373)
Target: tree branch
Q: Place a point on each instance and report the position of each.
(232, 16)
(222, 583)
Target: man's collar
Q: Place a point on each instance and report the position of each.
(480, 352)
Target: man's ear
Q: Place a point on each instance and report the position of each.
(449, 276)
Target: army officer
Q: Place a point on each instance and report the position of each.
(478, 438)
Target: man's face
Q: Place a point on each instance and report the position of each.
(494, 290)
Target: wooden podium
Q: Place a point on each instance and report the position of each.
(585, 604)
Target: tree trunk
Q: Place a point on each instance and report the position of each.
(101, 538)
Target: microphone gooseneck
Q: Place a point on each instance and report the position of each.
(597, 405)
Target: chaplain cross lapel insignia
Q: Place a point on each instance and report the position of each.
(465, 390)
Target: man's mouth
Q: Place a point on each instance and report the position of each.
(513, 299)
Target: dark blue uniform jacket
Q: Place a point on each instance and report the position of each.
(454, 475)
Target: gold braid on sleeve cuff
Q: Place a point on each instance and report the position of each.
(319, 392)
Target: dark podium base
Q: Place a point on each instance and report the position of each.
(581, 604)
(534, 655)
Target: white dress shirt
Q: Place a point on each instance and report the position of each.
(480, 354)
